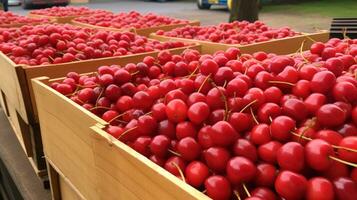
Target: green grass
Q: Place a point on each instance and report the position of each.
(329, 8)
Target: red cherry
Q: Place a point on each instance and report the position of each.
(319, 188)
(260, 134)
(198, 112)
(196, 173)
(330, 115)
(243, 147)
(240, 170)
(317, 154)
(204, 137)
(188, 148)
(290, 185)
(216, 158)
(209, 67)
(176, 110)
(266, 174)
(159, 145)
(281, 126)
(268, 151)
(348, 143)
(291, 156)
(141, 145)
(218, 188)
(173, 163)
(185, 129)
(345, 188)
(223, 134)
(264, 193)
(322, 82)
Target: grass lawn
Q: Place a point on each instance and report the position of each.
(328, 8)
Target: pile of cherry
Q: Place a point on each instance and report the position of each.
(129, 20)
(56, 43)
(255, 127)
(68, 11)
(238, 32)
(8, 19)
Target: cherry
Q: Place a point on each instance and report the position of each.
(218, 187)
(223, 134)
(264, 193)
(141, 145)
(216, 98)
(188, 148)
(240, 170)
(330, 115)
(268, 151)
(240, 121)
(64, 89)
(142, 100)
(314, 101)
(345, 91)
(273, 95)
(167, 128)
(204, 137)
(159, 111)
(86, 95)
(317, 48)
(236, 87)
(260, 134)
(329, 136)
(322, 82)
(124, 103)
(317, 153)
(216, 158)
(243, 147)
(115, 131)
(290, 185)
(345, 188)
(349, 143)
(174, 165)
(266, 174)
(196, 173)
(185, 129)
(195, 97)
(281, 126)
(198, 112)
(290, 156)
(320, 189)
(147, 125)
(208, 67)
(269, 111)
(176, 110)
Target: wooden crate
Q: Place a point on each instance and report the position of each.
(93, 163)
(16, 90)
(141, 31)
(62, 20)
(278, 46)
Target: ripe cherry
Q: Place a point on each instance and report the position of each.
(216, 158)
(291, 157)
(218, 187)
(240, 170)
(223, 134)
(196, 173)
(320, 189)
(317, 154)
(290, 185)
(176, 110)
(198, 112)
(188, 148)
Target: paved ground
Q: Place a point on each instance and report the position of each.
(187, 9)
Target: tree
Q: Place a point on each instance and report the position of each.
(244, 10)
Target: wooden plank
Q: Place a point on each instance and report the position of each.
(66, 137)
(149, 182)
(278, 46)
(62, 20)
(141, 31)
(54, 182)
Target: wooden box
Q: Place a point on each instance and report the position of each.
(141, 31)
(279, 46)
(18, 98)
(62, 20)
(85, 162)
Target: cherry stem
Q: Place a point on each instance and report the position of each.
(148, 113)
(100, 107)
(126, 132)
(247, 106)
(282, 82)
(246, 190)
(174, 152)
(194, 72)
(180, 171)
(254, 118)
(135, 73)
(343, 161)
(100, 94)
(237, 194)
(204, 191)
(116, 117)
(204, 81)
(270, 119)
(301, 51)
(334, 146)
